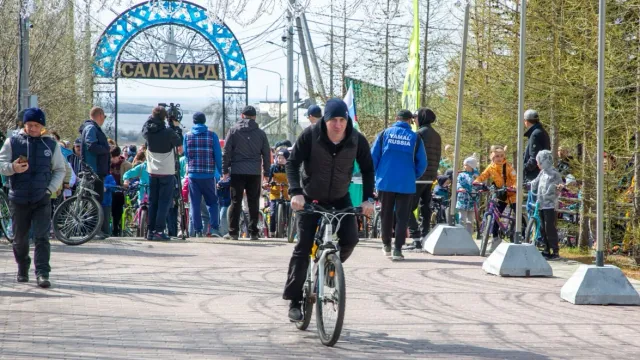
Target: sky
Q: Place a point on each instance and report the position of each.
(257, 54)
(258, 51)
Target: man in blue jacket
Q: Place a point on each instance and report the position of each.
(204, 158)
(399, 160)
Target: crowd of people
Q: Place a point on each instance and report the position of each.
(403, 168)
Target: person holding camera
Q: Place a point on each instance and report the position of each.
(162, 141)
(36, 169)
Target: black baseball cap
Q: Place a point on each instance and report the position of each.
(405, 114)
(249, 111)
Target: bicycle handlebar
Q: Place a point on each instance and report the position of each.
(315, 208)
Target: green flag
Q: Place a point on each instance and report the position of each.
(410, 90)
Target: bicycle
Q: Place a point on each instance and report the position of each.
(282, 211)
(79, 218)
(128, 224)
(533, 232)
(475, 194)
(6, 217)
(325, 270)
(506, 223)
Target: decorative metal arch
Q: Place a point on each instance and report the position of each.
(142, 17)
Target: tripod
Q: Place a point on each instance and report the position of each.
(183, 218)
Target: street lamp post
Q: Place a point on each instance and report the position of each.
(280, 98)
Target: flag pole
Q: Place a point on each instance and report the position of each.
(456, 156)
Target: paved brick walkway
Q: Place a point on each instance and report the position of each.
(127, 299)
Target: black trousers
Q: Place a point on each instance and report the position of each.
(161, 190)
(307, 225)
(394, 206)
(239, 184)
(37, 218)
(423, 192)
(117, 206)
(98, 187)
(548, 229)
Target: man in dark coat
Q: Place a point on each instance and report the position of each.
(538, 140)
(246, 158)
(433, 147)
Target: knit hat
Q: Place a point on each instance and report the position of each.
(34, 114)
(570, 179)
(199, 118)
(335, 107)
(78, 141)
(471, 161)
(283, 152)
(314, 110)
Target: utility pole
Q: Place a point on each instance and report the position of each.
(305, 61)
(314, 59)
(343, 86)
(24, 64)
(331, 54)
(386, 72)
(290, 72)
(423, 95)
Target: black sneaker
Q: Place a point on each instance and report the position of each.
(415, 245)
(151, 235)
(254, 237)
(43, 281)
(161, 236)
(386, 250)
(230, 237)
(22, 278)
(397, 255)
(295, 313)
(546, 254)
(554, 256)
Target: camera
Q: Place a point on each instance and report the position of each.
(174, 113)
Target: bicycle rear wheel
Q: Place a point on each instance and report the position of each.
(293, 228)
(77, 220)
(6, 217)
(375, 231)
(330, 308)
(486, 231)
(143, 223)
(307, 305)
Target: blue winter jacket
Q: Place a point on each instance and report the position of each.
(399, 159)
(109, 186)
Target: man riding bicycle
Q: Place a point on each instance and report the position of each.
(328, 150)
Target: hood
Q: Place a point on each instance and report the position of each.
(87, 123)
(247, 125)
(403, 125)
(545, 159)
(199, 129)
(323, 129)
(154, 125)
(531, 129)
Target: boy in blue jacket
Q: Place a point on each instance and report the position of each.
(224, 200)
(399, 160)
(109, 186)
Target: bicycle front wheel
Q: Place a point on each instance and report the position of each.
(531, 232)
(487, 225)
(77, 220)
(307, 305)
(330, 308)
(6, 217)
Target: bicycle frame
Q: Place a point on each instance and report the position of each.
(330, 236)
(492, 208)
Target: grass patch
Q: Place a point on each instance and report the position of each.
(625, 263)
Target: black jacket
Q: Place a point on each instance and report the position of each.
(433, 147)
(328, 168)
(161, 138)
(246, 150)
(538, 139)
(95, 147)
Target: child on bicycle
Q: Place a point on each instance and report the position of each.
(277, 174)
(502, 174)
(546, 187)
(466, 202)
(138, 172)
(109, 186)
